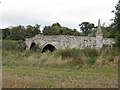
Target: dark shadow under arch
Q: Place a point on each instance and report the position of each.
(33, 47)
(48, 47)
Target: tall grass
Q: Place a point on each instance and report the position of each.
(30, 58)
(14, 54)
(64, 68)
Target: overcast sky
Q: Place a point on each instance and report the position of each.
(69, 13)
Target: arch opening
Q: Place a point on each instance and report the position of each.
(48, 47)
(33, 47)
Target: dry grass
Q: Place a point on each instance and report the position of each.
(36, 70)
(0, 67)
(45, 77)
(0, 78)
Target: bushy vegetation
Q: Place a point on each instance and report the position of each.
(13, 45)
(86, 28)
(78, 55)
(57, 29)
(116, 24)
(20, 32)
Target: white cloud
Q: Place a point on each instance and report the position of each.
(45, 12)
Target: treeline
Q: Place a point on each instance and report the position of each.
(116, 24)
(22, 32)
(57, 29)
(87, 29)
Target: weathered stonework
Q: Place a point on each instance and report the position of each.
(66, 41)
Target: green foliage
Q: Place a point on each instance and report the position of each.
(12, 45)
(31, 31)
(116, 24)
(91, 61)
(93, 32)
(118, 40)
(90, 52)
(91, 55)
(70, 54)
(77, 55)
(57, 29)
(67, 53)
(56, 24)
(108, 32)
(117, 16)
(109, 51)
(86, 28)
(35, 48)
(17, 33)
(12, 56)
(6, 33)
(20, 32)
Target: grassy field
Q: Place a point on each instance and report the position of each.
(45, 77)
(68, 68)
(0, 64)
(27, 69)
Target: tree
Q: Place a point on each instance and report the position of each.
(108, 32)
(17, 33)
(31, 31)
(56, 24)
(117, 16)
(46, 30)
(86, 28)
(117, 23)
(57, 29)
(6, 33)
(20, 32)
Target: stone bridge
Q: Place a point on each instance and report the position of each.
(62, 41)
(65, 41)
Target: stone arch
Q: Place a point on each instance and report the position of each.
(48, 47)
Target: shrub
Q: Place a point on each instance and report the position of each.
(74, 54)
(90, 52)
(12, 45)
(114, 51)
(67, 53)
